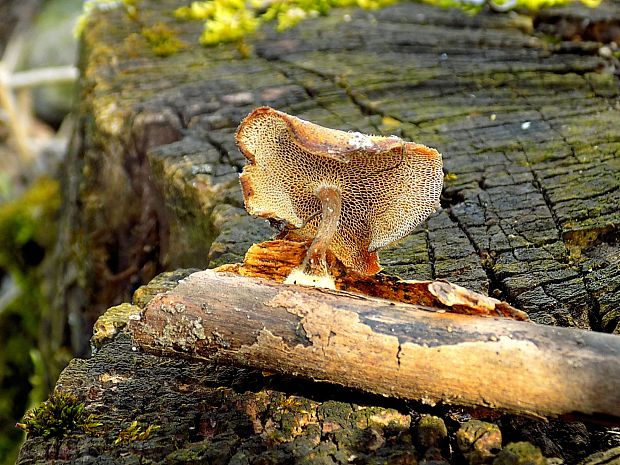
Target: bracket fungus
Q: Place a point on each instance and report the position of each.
(349, 193)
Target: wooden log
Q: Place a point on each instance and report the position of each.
(393, 349)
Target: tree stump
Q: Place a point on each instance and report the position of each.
(525, 116)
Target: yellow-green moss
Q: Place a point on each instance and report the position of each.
(59, 416)
(111, 322)
(134, 432)
(21, 219)
(232, 20)
(520, 453)
(162, 39)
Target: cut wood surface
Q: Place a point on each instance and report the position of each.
(526, 122)
(386, 348)
(523, 107)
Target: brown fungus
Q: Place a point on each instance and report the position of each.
(350, 193)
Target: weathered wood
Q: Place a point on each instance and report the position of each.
(212, 414)
(526, 127)
(386, 348)
(525, 117)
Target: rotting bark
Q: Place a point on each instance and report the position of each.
(276, 259)
(527, 124)
(385, 348)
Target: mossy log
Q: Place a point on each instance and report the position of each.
(525, 116)
(384, 347)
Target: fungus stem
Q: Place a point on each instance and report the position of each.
(331, 205)
(313, 270)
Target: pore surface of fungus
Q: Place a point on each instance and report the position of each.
(350, 192)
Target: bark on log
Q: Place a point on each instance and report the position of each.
(528, 129)
(386, 348)
(276, 259)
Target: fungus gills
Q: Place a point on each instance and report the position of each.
(314, 270)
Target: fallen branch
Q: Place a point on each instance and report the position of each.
(394, 349)
(9, 104)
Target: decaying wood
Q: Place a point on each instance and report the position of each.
(388, 348)
(527, 124)
(276, 259)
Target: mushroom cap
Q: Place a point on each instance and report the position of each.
(388, 186)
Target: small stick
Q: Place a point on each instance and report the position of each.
(7, 101)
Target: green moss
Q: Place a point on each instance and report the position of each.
(520, 453)
(135, 432)
(431, 431)
(111, 322)
(59, 416)
(20, 223)
(479, 441)
(291, 416)
(508, 269)
(27, 234)
(232, 20)
(162, 39)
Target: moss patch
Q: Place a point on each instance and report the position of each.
(135, 432)
(111, 322)
(163, 40)
(59, 416)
